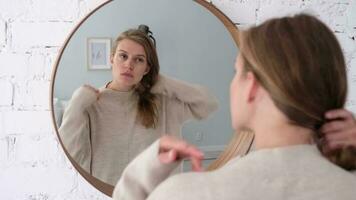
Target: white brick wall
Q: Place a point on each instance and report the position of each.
(13, 65)
(6, 93)
(41, 10)
(2, 32)
(32, 164)
(239, 12)
(26, 35)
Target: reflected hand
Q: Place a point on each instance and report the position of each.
(172, 149)
(93, 89)
(340, 131)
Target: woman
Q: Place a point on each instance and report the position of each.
(104, 129)
(289, 73)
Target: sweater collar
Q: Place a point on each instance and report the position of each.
(119, 95)
(281, 152)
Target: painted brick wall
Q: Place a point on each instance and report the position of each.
(32, 164)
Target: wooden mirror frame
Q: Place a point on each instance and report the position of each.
(242, 140)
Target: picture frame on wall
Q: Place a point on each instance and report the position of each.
(98, 53)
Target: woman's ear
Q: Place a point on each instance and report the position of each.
(111, 59)
(252, 87)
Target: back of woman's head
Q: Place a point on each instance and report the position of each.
(299, 61)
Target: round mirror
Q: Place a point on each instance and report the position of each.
(100, 125)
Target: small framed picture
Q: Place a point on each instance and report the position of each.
(98, 53)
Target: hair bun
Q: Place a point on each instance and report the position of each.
(144, 28)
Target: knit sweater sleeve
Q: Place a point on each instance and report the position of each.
(142, 175)
(198, 102)
(75, 129)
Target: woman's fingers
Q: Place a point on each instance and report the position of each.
(347, 137)
(340, 131)
(341, 119)
(194, 152)
(173, 149)
(169, 142)
(182, 148)
(168, 157)
(196, 164)
(97, 92)
(339, 144)
(335, 126)
(348, 134)
(339, 113)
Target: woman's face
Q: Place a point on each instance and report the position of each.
(129, 64)
(238, 98)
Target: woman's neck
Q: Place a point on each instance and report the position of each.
(117, 87)
(273, 129)
(281, 135)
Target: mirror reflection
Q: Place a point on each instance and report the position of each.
(136, 70)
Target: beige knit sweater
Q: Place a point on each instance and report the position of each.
(103, 135)
(296, 173)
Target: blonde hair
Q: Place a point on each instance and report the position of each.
(299, 62)
(240, 145)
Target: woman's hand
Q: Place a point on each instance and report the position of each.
(93, 89)
(340, 131)
(172, 149)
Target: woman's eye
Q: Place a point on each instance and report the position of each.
(122, 56)
(141, 60)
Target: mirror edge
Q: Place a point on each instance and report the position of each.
(228, 23)
(240, 143)
(99, 185)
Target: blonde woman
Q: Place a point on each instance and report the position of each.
(104, 129)
(289, 73)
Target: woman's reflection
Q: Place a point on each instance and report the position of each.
(103, 129)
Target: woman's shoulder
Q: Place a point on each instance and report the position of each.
(218, 184)
(86, 90)
(84, 94)
(189, 185)
(298, 163)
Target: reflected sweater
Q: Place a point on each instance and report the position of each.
(293, 172)
(103, 135)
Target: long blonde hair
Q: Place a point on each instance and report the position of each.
(240, 145)
(299, 61)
